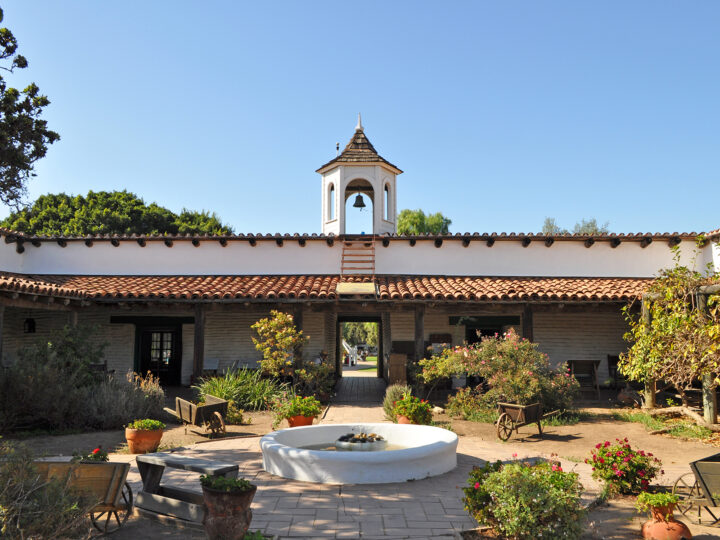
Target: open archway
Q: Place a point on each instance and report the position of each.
(359, 220)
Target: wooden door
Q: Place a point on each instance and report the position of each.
(160, 354)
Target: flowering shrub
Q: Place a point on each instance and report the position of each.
(278, 340)
(393, 393)
(623, 469)
(287, 405)
(96, 455)
(468, 404)
(513, 369)
(525, 501)
(419, 411)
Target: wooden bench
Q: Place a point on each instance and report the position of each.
(586, 373)
(172, 501)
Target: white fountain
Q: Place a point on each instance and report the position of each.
(412, 453)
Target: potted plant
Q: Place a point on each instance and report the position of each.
(412, 410)
(298, 410)
(227, 506)
(96, 456)
(144, 435)
(663, 524)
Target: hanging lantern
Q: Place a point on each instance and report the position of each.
(359, 203)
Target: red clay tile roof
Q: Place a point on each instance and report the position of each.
(459, 289)
(359, 150)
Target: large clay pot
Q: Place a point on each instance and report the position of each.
(227, 514)
(142, 441)
(295, 421)
(664, 526)
(403, 419)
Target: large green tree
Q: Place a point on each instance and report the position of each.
(360, 332)
(108, 212)
(24, 136)
(417, 222)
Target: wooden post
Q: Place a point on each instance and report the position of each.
(199, 342)
(73, 318)
(708, 391)
(419, 333)
(649, 401)
(527, 322)
(386, 342)
(298, 320)
(2, 318)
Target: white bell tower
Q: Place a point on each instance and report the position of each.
(359, 170)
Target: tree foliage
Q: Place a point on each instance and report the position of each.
(108, 212)
(360, 332)
(679, 343)
(24, 136)
(278, 340)
(584, 226)
(416, 222)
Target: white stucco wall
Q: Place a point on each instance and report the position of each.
(505, 258)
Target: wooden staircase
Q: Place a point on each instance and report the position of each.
(358, 258)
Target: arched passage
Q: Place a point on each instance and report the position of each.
(359, 220)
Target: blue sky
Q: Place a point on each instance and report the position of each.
(499, 113)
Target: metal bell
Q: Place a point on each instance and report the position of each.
(359, 203)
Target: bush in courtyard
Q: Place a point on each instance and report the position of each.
(115, 401)
(314, 380)
(393, 393)
(46, 387)
(246, 388)
(34, 508)
(525, 501)
(468, 404)
(622, 469)
(513, 370)
(278, 340)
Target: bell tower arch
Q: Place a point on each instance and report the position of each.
(359, 170)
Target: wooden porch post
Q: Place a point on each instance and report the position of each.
(419, 333)
(527, 322)
(386, 340)
(649, 401)
(199, 342)
(298, 320)
(2, 319)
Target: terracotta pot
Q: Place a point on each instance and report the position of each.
(295, 421)
(227, 515)
(142, 441)
(403, 419)
(664, 526)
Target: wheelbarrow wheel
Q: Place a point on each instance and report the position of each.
(111, 520)
(504, 427)
(217, 424)
(687, 489)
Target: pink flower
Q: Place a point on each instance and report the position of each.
(618, 472)
(607, 443)
(598, 445)
(515, 455)
(477, 485)
(641, 473)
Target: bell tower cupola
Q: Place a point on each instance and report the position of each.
(359, 170)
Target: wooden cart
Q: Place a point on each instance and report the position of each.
(700, 489)
(210, 415)
(513, 416)
(101, 481)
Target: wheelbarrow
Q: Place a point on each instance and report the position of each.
(209, 415)
(514, 416)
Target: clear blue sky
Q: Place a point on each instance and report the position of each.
(499, 113)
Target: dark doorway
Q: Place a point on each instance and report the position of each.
(474, 334)
(160, 353)
(372, 350)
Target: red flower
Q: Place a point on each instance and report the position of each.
(477, 485)
(96, 451)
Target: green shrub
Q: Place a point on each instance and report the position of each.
(220, 483)
(647, 501)
(417, 410)
(247, 388)
(32, 508)
(393, 393)
(146, 424)
(524, 501)
(234, 415)
(288, 404)
(622, 469)
(115, 401)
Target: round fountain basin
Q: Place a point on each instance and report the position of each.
(427, 451)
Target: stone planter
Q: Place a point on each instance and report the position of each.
(664, 526)
(295, 421)
(142, 441)
(227, 514)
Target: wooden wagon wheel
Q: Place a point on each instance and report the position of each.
(111, 520)
(688, 491)
(504, 426)
(217, 424)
